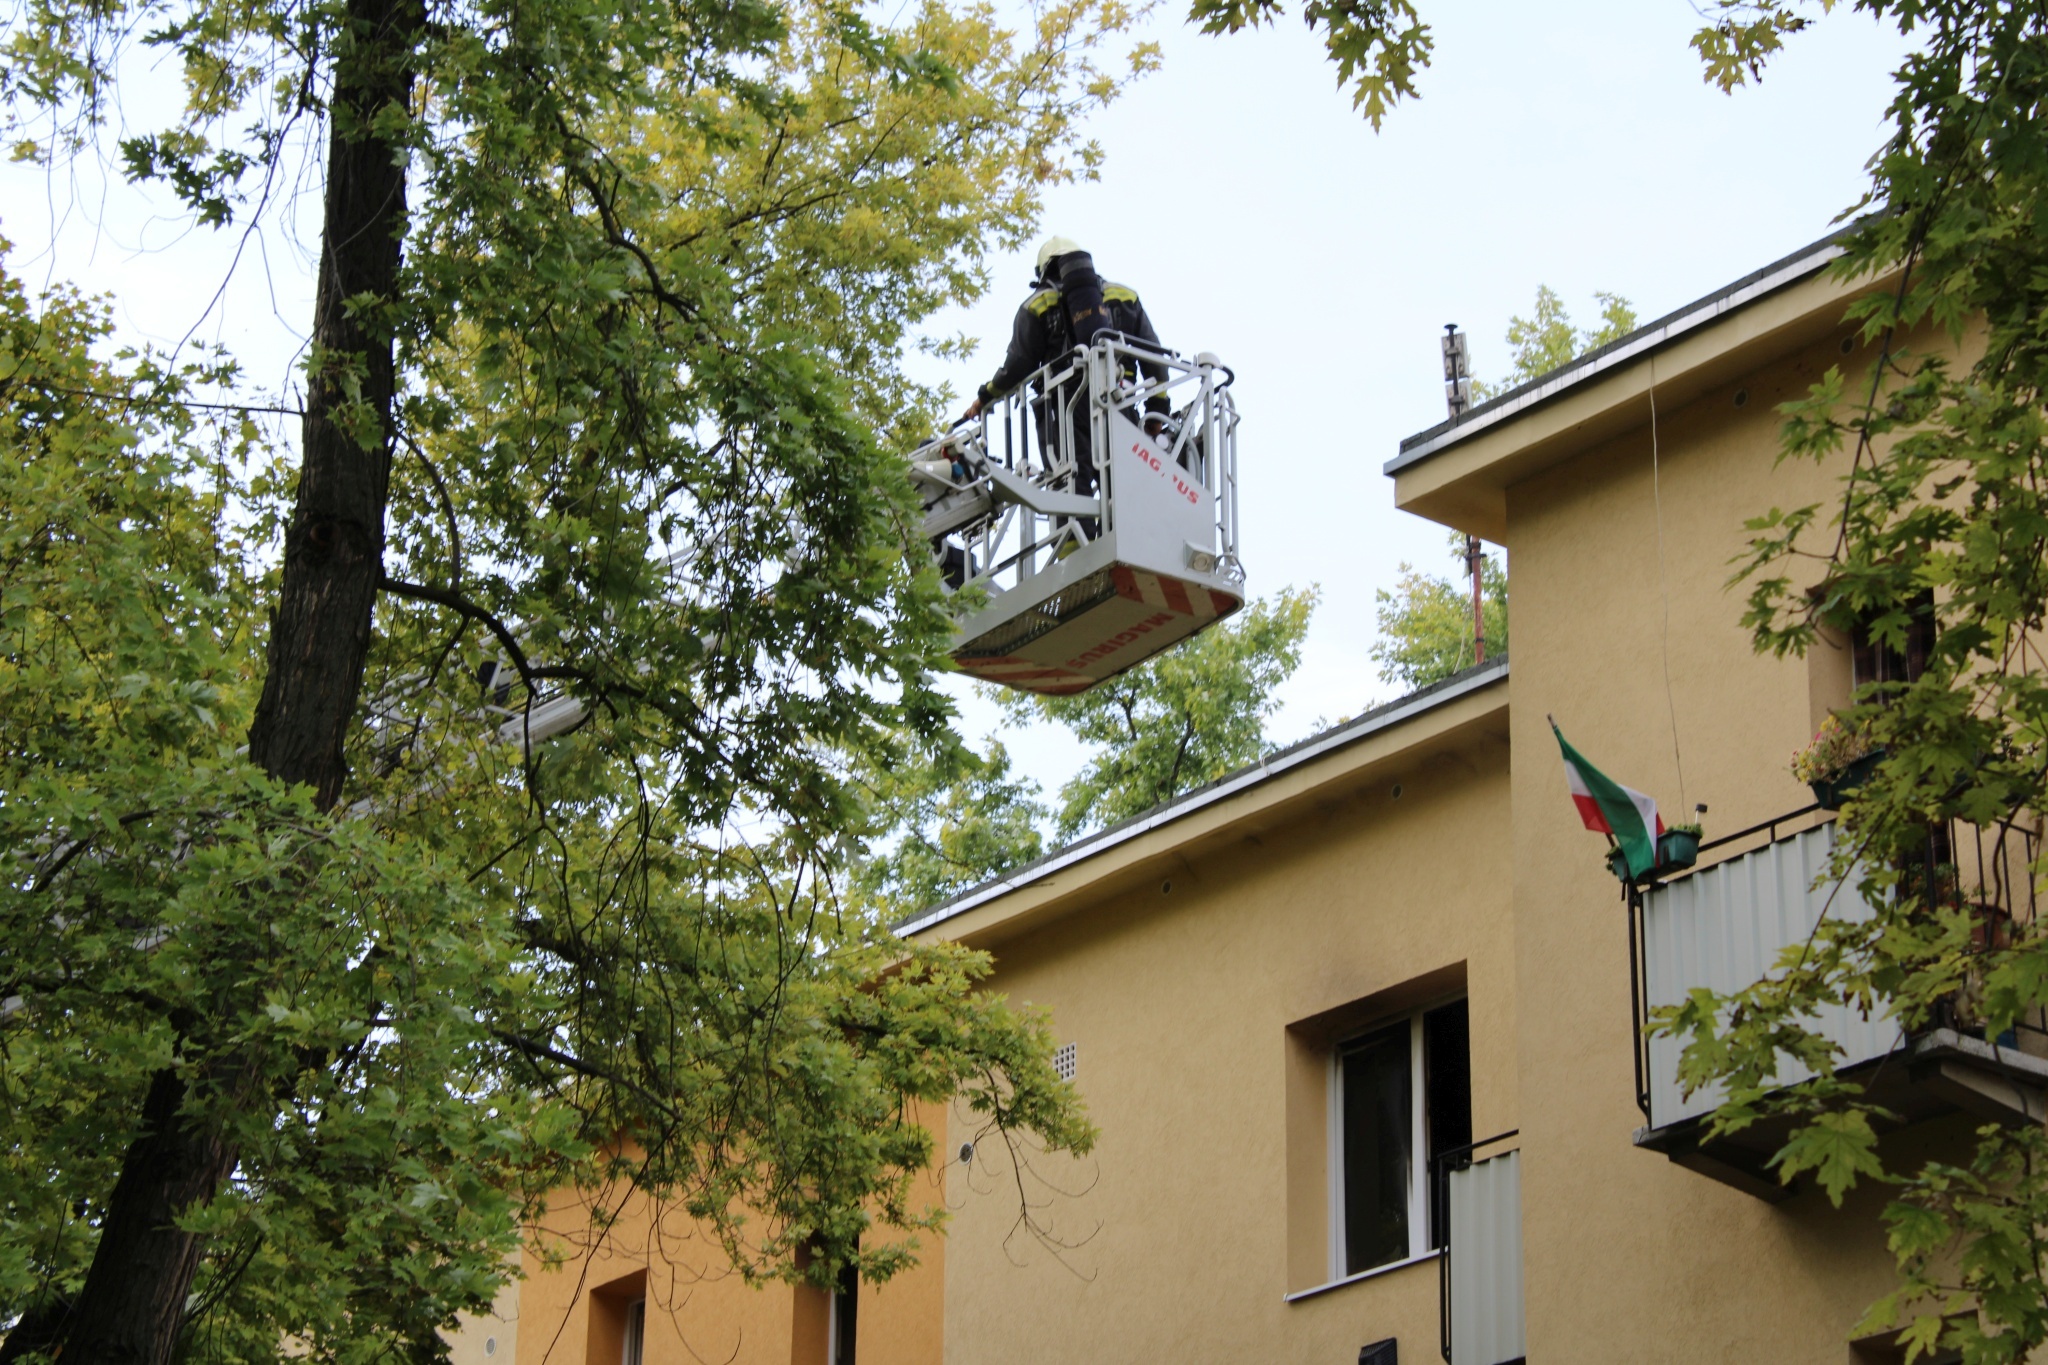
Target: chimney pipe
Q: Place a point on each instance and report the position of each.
(1474, 559)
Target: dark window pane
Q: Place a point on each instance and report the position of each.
(1378, 1107)
(1446, 1097)
(845, 1316)
(1877, 661)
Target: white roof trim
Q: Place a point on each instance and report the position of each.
(1625, 351)
(1308, 751)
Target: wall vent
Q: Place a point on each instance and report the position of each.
(1064, 1062)
(1386, 1352)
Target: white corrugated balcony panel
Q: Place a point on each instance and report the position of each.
(1486, 1262)
(1723, 927)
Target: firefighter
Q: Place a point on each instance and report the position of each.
(1068, 306)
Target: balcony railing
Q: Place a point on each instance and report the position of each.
(1479, 1285)
(1724, 924)
(1723, 928)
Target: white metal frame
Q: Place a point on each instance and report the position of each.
(1004, 489)
(835, 1325)
(1418, 1144)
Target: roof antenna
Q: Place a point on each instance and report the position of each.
(1458, 398)
(1457, 371)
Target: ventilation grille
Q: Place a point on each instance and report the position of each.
(1028, 625)
(1064, 1062)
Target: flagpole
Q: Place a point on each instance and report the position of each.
(1611, 841)
(1577, 770)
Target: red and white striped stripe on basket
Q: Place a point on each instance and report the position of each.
(1157, 590)
(1161, 592)
(1028, 674)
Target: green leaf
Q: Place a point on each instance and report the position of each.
(1836, 1148)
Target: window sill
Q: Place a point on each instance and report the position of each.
(1377, 1271)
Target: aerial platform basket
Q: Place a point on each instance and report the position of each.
(1086, 576)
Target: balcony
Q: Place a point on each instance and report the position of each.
(1479, 1274)
(1723, 924)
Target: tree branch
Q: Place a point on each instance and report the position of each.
(535, 1050)
(455, 601)
(447, 509)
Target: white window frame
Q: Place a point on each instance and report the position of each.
(633, 1340)
(835, 1323)
(1418, 1145)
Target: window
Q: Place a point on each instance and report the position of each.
(617, 1326)
(1883, 1350)
(1402, 1096)
(1851, 654)
(845, 1313)
(635, 1337)
(1875, 661)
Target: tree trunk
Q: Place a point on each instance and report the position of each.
(334, 547)
(131, 1310)
(133, 1302)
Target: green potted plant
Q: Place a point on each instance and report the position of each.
(1678, 847)
(1836, 762)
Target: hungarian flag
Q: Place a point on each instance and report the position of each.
(1607, 807)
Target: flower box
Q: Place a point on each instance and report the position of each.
(1677, 849)
(1832, 790)
(1836, 762)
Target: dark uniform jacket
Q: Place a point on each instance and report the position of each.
(1042, 332)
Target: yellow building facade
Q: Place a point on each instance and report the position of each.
(612, 1277)
(1303, 1156)
(1360, 1026)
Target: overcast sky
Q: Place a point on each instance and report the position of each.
(1570, 143)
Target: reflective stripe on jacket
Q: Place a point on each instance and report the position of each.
(1042, 332)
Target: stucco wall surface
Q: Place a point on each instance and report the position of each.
(490, 1338)
(1193, 1001)
(698, 1308)
(1625, 630)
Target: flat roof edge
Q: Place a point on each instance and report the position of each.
(1789, 270)
(1373, 722)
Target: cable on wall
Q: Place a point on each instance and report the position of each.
(1664, 585)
